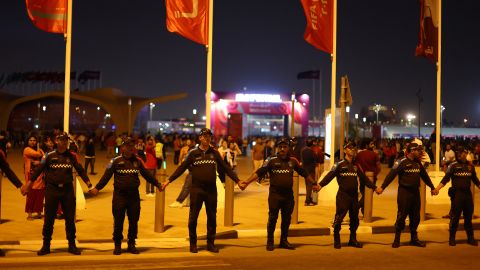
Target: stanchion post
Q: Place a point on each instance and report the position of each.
(423, 200)
(229, 202)
(295, 198)
(368, 201)
(159, 226)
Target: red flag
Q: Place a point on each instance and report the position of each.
(319, 29)
(48, 15)
(189, 18)
(428, 33)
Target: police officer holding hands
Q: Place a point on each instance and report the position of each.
(5, 168)
(280, 168)
(126, 198)
(203, 162)
(462, 174)
(57, 166)
(347, 174)
(409, 171)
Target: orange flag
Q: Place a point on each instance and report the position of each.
(428, 33)
(319, 29)
(48, 15)
(188, 18)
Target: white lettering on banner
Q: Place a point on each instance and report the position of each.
(258, 98)
(193, 14)
(313, 15)
(324, 7)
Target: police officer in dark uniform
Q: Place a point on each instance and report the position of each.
(347, 174)
(462, 174)
(5, 168)
(203, 162)
(126, 198)
(57, 166)
(409, 171)
(280, 168)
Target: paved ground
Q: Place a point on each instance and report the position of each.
(250, 216)
(313, 252)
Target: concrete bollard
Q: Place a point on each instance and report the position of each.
(229, 202)
(159, 226)
(423, 200)
(368, 201)
(295, 197)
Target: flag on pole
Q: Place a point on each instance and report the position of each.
(48, 15)
(189, 18)
(311, 74)
(319, 29)
(428, 33)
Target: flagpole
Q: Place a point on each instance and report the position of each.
(68, 52)
(208, 94)
(439, 89)
(333, 90)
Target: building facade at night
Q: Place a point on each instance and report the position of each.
(241, 115)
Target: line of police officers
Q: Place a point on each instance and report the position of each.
(204, 160)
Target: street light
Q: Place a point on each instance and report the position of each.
(151, 109)
(442, 108)
(410, 117)
(377, 108)
(194, 118)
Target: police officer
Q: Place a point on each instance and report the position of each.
(347, 174)
(203, 162)
(57, 166)
(409, 171)
(462, 174)
(126, 198)
(280, 168)
(5, 168)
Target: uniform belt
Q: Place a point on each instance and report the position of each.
(62, 185)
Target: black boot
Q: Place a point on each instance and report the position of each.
(451, 239)
(117, 250)
(211, 246)
(193, 247)
(131, 247)
(270, 246)
(415, 242)
(45, 249)
(353, 241)
(285, 244)
(470, 239)
(396, 241)
(336, 240)
(72, 248)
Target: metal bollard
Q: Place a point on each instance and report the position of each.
(368, 201)
(295, 198)
(160, 206)
(229, 202)
(423, 200)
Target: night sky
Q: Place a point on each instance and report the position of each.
(258, 45)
